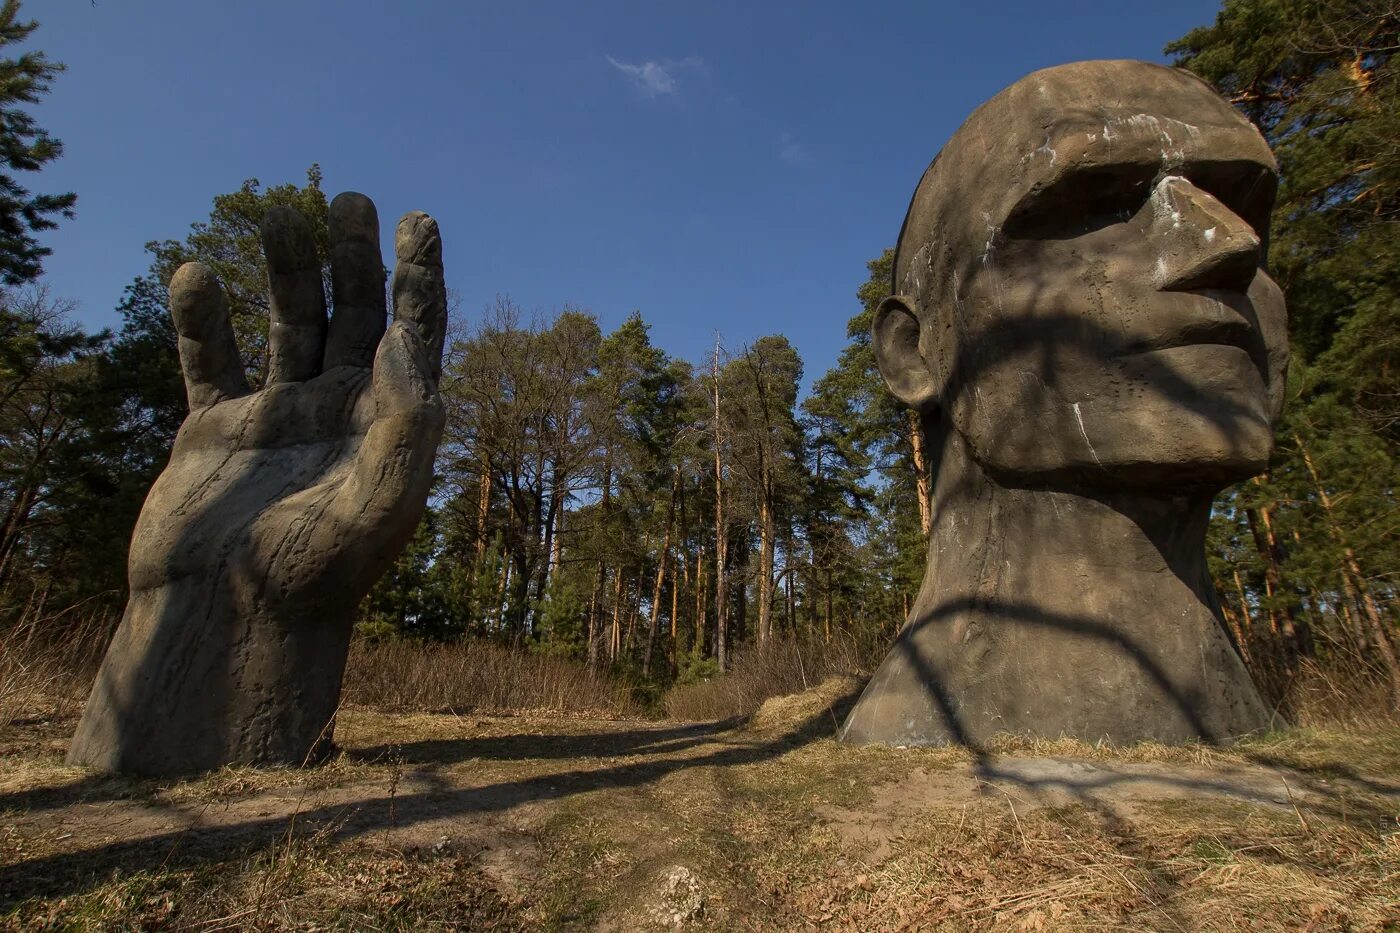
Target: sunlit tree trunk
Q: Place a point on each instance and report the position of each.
(922, 481)
(721, 532)
(598, 579)
(766, 534)
(615, 632)
(661, 575)
(1355, 581)
(697, 647)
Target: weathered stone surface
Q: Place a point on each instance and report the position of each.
(1083, 320)
(279, 508)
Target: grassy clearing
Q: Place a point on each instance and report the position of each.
(560, 822)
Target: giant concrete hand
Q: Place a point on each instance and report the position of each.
(279, 508)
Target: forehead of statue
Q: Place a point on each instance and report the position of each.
(1118, 122)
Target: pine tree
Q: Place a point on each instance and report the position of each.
(24, 147)
(1306, 555)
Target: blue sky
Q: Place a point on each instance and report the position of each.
(721, 167)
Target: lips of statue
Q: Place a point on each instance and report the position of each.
(1120, 329)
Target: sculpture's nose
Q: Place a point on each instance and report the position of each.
(1201, 243)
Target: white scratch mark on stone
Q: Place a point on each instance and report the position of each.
(1092, 452)
(989, 247)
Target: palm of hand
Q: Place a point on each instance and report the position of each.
(279, 508)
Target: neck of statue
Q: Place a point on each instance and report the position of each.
(1058, 612)
(1089, 555)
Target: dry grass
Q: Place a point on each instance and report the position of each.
(1342, 694)
(48, 664)
(47, 668)
(781, 827)
(1220, 867)
(784, 667)
(305, 881)
(477, 675)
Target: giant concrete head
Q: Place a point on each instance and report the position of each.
(1080, 283)
(1081, 313)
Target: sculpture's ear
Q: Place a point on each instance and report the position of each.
(899, 354)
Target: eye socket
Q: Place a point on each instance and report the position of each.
(1081, 202)
(1246, 188)
(1093, 198)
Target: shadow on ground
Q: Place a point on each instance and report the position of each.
(475, 776)
(616, 758)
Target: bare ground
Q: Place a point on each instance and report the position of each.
(540, 822)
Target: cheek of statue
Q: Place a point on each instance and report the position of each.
(1130, 355)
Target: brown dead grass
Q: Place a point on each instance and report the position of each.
(440, 821)
(47, 674)
(47, 665)
(790, 711)
(573, 818)
(477, 675)
(783, 668)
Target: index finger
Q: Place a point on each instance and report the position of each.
(208, 353)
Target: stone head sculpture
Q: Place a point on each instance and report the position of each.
(279, 508)
(1082, 317)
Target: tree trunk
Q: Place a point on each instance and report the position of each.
(15, 523)
(483, 510)
(661, 577)
(826, 622)
(922, 481)
(677, 584)
(501, 592)
(615, 633)
(634, 609)
(554, 518)
(765, 567)
(721, 535)
(1295, 630)
(598, 581)
(1355, 581)
(1281, 620)
(1247, 626)
(604, 508)
(697, 646)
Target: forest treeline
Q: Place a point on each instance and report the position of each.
(601, 498)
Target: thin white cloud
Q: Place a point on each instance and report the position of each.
(791, 151)
(654, 79)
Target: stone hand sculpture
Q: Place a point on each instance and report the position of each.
(1083, 320)
(279, 508)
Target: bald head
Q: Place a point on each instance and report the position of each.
(1079, 285)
